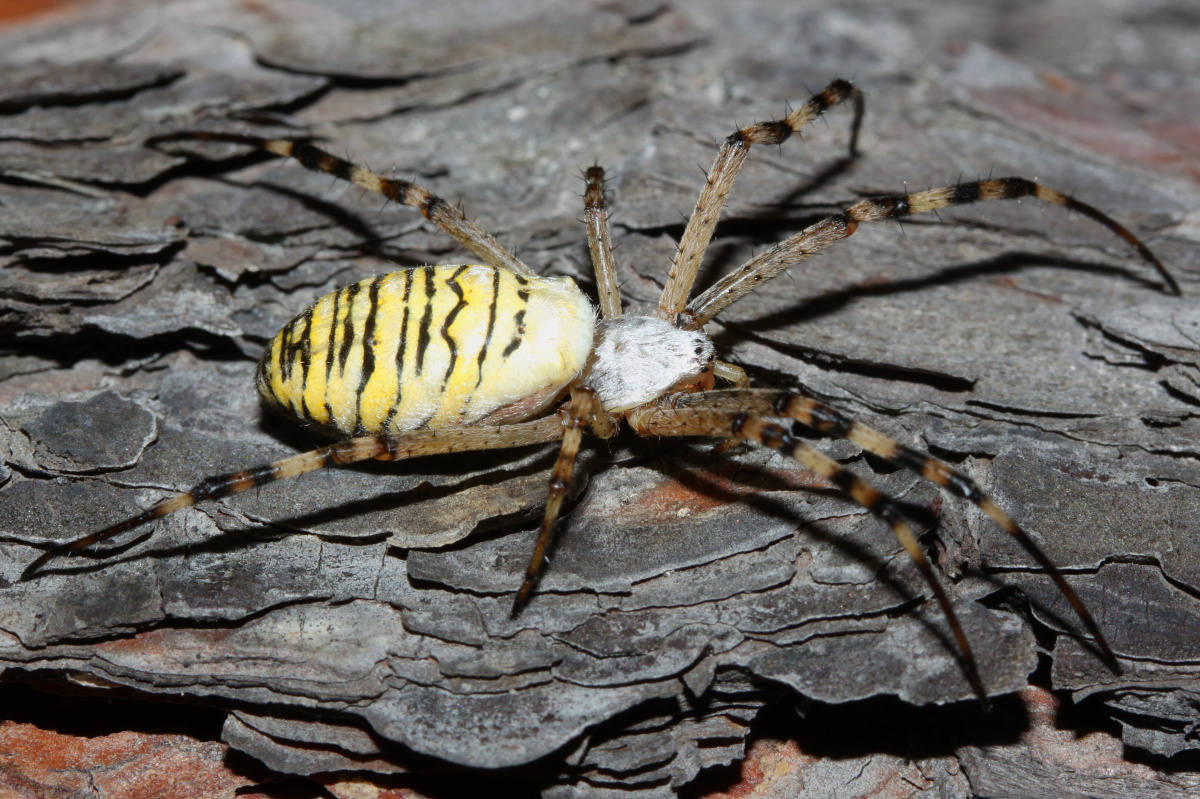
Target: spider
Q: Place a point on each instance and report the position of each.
(454, 358)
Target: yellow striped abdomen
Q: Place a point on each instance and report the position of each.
(429, 348)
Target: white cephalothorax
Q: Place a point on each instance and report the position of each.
(639, 358)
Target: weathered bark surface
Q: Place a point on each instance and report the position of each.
(358, 619)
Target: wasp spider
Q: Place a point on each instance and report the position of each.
(442, 359)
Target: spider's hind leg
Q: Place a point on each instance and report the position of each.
(352, 450)
(443, 215)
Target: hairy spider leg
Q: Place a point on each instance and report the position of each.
(595, 216)
(446, 217)
(719, 181)
(352, 450)
(657, 421)
(815, 238)
(827, 420)
(583, 405)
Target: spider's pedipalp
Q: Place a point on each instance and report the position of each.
(827, 420)
(701, 421)
(733, 373)
(352, 450)
(719, 180)
(446, 217)
(824, 234)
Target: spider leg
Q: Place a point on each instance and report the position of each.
(577, 412)
(725, 168)
(655, 421)
(825, 419)
(351, 450)
(600, 244)
(810, 241)
(736, 375)
(446, 217)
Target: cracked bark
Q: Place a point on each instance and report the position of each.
(358, 618)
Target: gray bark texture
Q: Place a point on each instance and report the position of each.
(358, 619)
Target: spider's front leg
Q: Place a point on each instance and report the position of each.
(721, 175)
(824, 234)
(698, 421)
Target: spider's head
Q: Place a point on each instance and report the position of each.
(638, 359)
